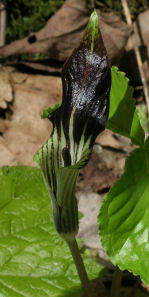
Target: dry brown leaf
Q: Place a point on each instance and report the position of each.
(141, 25)
(4, 125)
(64, 30)
(6, 156)
(106, 138)
(102, 170)
(26, 131)
(6, 89)
(129, 63)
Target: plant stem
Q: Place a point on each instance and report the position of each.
(93, 4)
(116, 283)
(79, 263)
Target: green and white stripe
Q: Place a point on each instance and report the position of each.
(60, 179)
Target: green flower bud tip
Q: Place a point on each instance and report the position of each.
(92, 31)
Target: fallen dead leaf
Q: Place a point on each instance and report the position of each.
(107, 138)
(26, 132)
(64, 31)
(102, 170)
(6, 156)
(6, 89)
(4, 125)
(129, 63)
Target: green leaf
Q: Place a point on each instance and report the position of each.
(34, 260)
(123, 117)
(92, 30)
(143, 116)
(124, 216)
(49, 110)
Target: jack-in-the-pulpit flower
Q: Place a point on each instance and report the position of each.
(82, 115)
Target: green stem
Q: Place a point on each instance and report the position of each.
(116, 283)
(79, 263)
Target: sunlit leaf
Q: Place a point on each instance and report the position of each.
(123, 116)
(124, 216)
(34, 260)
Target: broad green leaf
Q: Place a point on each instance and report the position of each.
(124, 216)
(123, 117)
(34, 260)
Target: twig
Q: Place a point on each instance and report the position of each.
(116, 283)
(93, 4)
(2, 24)
(137, 52)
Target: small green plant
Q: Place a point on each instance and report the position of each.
(34, 260)
(25, 16)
